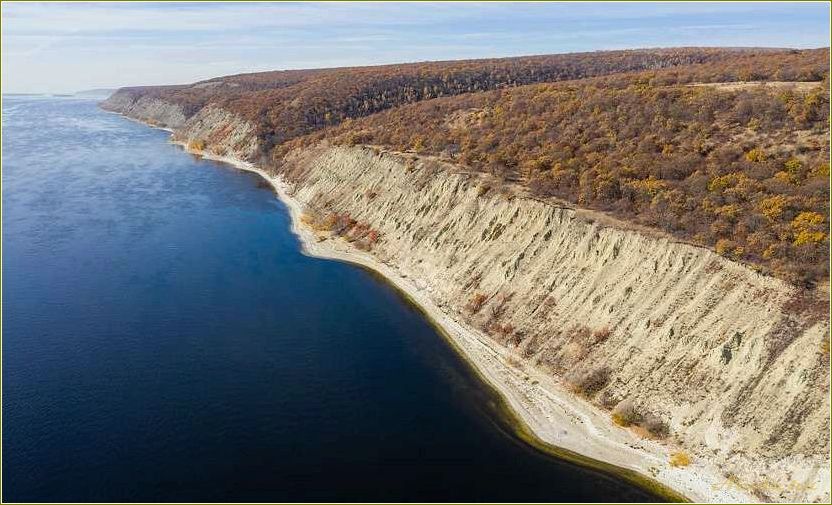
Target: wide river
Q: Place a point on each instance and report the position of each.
(164, 339)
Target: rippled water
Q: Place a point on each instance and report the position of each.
(165, 340)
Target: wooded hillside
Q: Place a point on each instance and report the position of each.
(288, 104)
(741, 169)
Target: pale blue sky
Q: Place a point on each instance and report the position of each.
(68, 47)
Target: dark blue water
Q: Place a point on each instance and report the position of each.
(164, 340)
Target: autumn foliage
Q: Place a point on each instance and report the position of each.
(744, 171)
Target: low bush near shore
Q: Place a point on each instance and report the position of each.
(646, 424)
(196, 145)
(680, 459)
(588, 383)
(624, 414)
(476, 302)
(360, 234)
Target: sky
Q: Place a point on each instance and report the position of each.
(67, 47)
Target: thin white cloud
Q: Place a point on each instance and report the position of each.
(109, 44)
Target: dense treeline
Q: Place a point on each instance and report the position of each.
(744, 170)
(289, 104)
(327, 98)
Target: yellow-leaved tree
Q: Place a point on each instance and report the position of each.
(808, 228)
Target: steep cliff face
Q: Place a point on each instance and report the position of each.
(137, 104)
(211, 129)
(727, 358)
(219, 132)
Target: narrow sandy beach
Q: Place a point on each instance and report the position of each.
(555, 416)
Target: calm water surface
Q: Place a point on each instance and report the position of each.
(165, 340)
